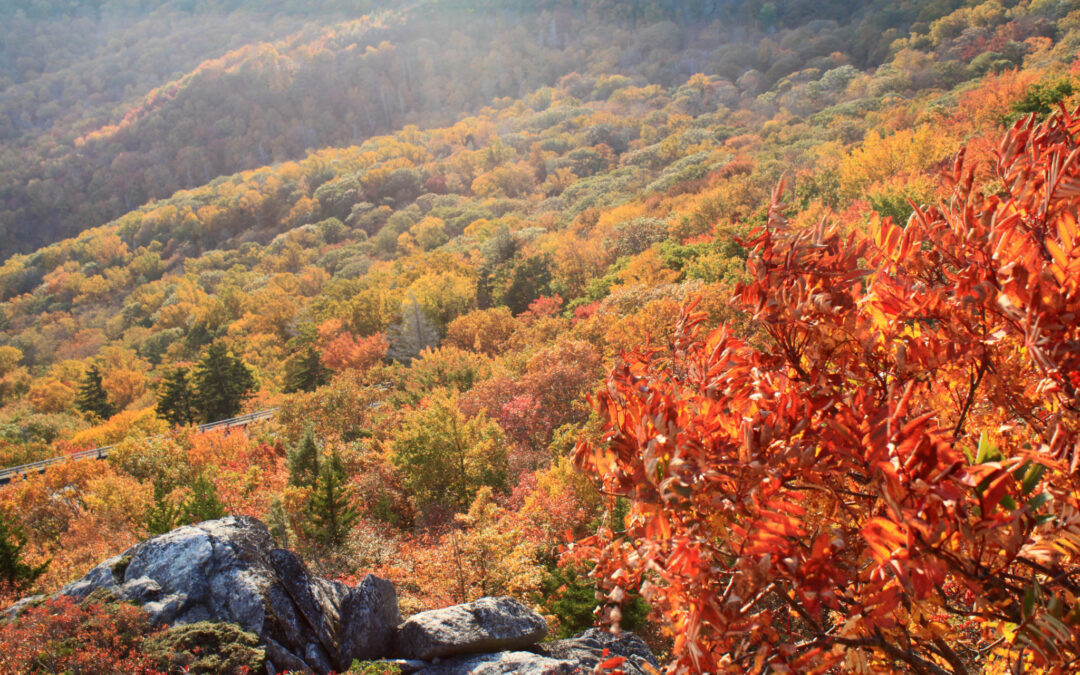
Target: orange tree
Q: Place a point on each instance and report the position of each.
(888, 478)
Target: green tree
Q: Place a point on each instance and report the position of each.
(278, 522)
(162, 516)
(222, 382)
(413, 333)
(176, 402)
(767, 16)
(14, 571)
(203, 504)
(306, 372)
(527, 280)
(330, 511)
(1042, 99)
(93, 398)
(570, 593)
(304, 461)
(446, 457)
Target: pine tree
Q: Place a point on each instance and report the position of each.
(176, 402)
(304, 461)
(330, 512)
(222, 382)
(307, 372)
(484, 285)
(278, 522)
(14, 572)
(163, 516)
(93, 398)
(203, 504)
(412, 333)
(529, 279)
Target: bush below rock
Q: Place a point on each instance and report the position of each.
(206, 648)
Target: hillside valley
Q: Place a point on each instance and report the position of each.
(747, 327)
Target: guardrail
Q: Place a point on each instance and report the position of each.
(101, 453)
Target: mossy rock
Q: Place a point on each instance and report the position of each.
(100, 596)
(206, 648)
(374, 668)
(120, 567)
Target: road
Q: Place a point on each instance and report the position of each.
(101, 453)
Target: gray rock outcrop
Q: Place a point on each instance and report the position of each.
(21, 606)
(587, 650)
(501, 663)
(369, 619)
(229, 570)
(486, 625)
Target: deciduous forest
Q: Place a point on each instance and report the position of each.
(750, 327)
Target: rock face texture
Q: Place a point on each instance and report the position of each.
(229, 571)
(501, 663)
(486, 625)
(369, 619)
(587, 651)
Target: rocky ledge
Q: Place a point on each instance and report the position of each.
(229, 571)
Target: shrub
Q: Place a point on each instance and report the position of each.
(60, 636)
(206, 648)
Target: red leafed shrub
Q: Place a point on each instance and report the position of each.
(345, 351)
(887, 480)
(525, 421)
(544, 306)
(584, 312)
(60, 636)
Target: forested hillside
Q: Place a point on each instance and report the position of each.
(431, 233)
(142, 100)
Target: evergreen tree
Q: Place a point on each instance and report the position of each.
(304, 461)
(203, 504)
(412, 333)
(528, 279)
(163, 516)
(484, 283)
(222, 382)
(330, 512)
(14, 572)
(500, 248)
(278, 522)
(92, 396)
(570, 594)
(306, 372)
(176, 402)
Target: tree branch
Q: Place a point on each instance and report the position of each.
(975, 381)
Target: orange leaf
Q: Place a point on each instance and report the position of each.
(884, 537)
(613, 662)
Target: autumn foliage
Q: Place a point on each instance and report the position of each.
(886, 477)
(475, 237)
(60, 636)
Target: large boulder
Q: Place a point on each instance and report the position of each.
(580, 654)
(369, 619)
(486, 625)
(587, 650)
(229, 570)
